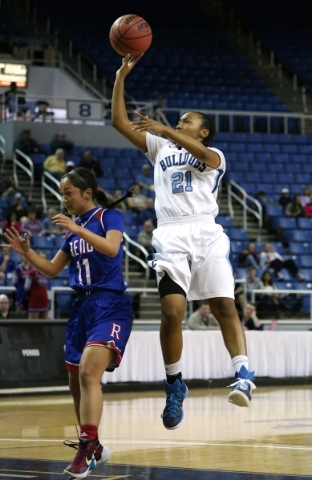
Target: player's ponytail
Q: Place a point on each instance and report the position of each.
(102, 199)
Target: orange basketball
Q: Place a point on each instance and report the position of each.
(130, 34)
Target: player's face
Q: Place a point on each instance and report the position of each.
(72, 198)
(191, 124)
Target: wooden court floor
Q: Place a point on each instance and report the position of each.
(217, 440)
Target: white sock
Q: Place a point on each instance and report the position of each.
(173, 368)
(239, 361)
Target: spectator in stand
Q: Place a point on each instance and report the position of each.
(15, 101)
(294, 208)
(18, 280)
(146, 180)
(49, 227)
(252, 282)
(122, 207)
(305, 196)
(5, 308)
(145, 236)
(284, 199)
(69, 166)
(268, 302)
(203, 319)
(138, 201)
(55, 164)
(27, 144)
(7, 185)
(19, 206)
(148, 213)
(271, 259)
(32, 226)
(36, 286)
(250, 256)
(91, 163)
(308, 208)
(12, 221)
(249, 317)
(60, 141)
(7, 264)
(160, 102)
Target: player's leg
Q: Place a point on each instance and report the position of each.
(234, 339)
(88, 401)
(171, 340)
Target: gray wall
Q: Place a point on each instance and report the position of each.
(85, 135)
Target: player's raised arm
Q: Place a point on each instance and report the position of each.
(120, 119)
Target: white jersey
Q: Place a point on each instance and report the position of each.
(184, 185)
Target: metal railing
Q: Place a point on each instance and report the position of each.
(286, 291)
(46, 186)
(234, 115)
(29, 171)
(243, 198)
(2, 152)
(128, 254)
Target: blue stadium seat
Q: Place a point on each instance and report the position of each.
(300, 248)
(107, 183)
(42, 242)
(239, 234)
(305, 223)
(305, 261)
(129, 217)
(224, 221)
(301, 235)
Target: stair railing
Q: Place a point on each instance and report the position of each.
(236, 192)
(46, 180)
(29, 170)
(128, 254)
(2, 152)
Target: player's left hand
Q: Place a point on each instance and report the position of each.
(64, 221)
(145, 123)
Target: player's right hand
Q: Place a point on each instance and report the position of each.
(15, 241)
(128, 63)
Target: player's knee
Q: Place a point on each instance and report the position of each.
(86, 376)
(223, 308)
(171, 317)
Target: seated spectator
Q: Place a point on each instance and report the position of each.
(148, 213)
(7, 185)
(7, 264)
(284, 199)
(32, 226)
(138, 201)
(36, 286)
(271, 259)
(249, 318)
(250, 257)
(5, 308)
(117, 195)
(160, 102)
(268, 302)
(203, 319)
(91, 163)
(294, 208)
(49, 227)
(239, 294)
(69, 166)
(18, 280)
(305, 196)
(308, 208)
(19, 206)
(145, 236)
(146, 179)
(55, 164)
(252, 282)
(60, 141)
(15, 101)
(12, 221)
(27, 144)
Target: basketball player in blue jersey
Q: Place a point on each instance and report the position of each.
(191, 251)
(101, 319)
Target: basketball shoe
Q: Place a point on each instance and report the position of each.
(241, 388)
(87, 456)
(173, 413)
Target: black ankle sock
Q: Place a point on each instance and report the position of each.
(172, 378)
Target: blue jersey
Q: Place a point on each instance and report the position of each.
(89, 269)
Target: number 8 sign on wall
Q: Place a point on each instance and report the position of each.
(85, 110)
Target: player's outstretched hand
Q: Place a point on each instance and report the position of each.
(127, 65)
(65, 222)
(15, 241)
(145, 123)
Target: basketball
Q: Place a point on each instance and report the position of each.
(130, 34)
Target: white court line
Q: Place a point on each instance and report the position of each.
(168, 442)
(17, 476)
(20, 403)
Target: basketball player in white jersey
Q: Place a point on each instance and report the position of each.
(191, 257)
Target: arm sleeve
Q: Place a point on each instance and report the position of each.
(154, 144)
(112, 220)
(221, 156)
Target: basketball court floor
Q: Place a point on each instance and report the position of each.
(271, 440)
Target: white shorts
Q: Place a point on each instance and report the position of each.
(195, 254)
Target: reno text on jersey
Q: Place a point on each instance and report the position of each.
(79, 246)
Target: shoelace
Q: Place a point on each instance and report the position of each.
(173, 406)
(242, 381)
